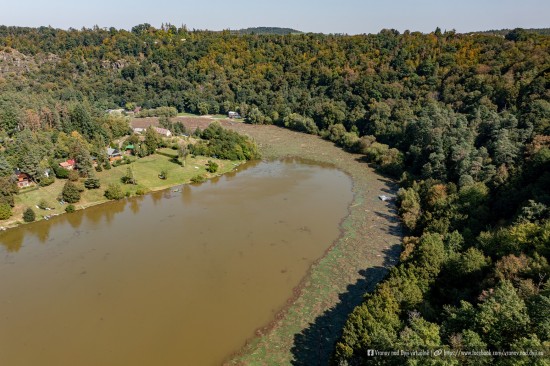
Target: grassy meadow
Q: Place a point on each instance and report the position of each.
(146, 172)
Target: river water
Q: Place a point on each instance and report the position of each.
(179, 277)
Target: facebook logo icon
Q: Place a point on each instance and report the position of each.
(370, 352)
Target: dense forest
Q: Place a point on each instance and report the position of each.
(461, 121)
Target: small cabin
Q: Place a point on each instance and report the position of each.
(113, 154)
(23, 179)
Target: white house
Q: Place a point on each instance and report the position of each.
(163, 131)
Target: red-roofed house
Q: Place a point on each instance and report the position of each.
(69, 164)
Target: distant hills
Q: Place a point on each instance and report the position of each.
(284, 31)
(503, 32)
(266, 30)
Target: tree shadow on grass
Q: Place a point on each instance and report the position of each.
(394, 227)
(315, 344)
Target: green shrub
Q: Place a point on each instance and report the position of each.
(92, 183)
(141, 191)
(46, 181)
(129, 177)
(29, 215)
(198, 179)
(43, 204)
(70, 208)
(60, 173)
(7, 199)
(73, 175)
(80, 187)
(70, 193)
(5, 211)
(211, 166)
(387, 160)
(300, 123)
(114, 192)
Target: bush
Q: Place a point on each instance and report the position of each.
(29, 215)
(5, 211)
(300, 123)
(141, 191)
(73, 175)
(92, 183)
(114, 192)
(46, 181)
(70, 192)
(129, 177)
(198, 179)
(60, 173)
(43, 204)
(7, 199)
(163, 174)
(387, 160)
(70, 208)
(211, 166)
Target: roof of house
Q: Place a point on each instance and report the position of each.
(20, 175)
(69, 162)
(129, 147)
(163, 131)
(112, 152)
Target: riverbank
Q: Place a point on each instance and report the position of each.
(146, 172)
(304, 332)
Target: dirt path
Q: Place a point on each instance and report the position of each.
(304, 332)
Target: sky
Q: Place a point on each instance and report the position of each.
(323, 16)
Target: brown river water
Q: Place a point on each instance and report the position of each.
(179, 277)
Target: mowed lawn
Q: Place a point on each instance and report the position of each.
(146, 172)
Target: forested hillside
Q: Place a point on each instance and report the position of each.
(462, 121)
